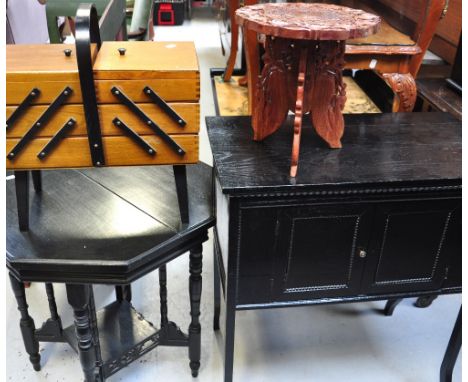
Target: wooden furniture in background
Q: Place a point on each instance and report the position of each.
(445, 40)
(303, 63)
(395, 53)
(379, 219)
(436, 95)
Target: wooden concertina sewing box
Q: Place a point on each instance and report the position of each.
(147, 96)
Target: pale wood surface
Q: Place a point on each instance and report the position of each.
(118, 151)
(233, 99)
(47, 62)
(309, 21)
(40, 62)
(387, 35)
(168, 89)
(146, 59)
(190, 112)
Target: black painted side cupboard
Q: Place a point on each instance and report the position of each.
(380, 217)
(308, 249)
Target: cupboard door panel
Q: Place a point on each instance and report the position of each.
(318, 251)
(409, 249)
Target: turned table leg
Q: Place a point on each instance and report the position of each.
(163, 295)
(195, 288)
(79, 297)
(404, 87)
(26, 324)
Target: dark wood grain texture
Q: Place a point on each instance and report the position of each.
(392, 148)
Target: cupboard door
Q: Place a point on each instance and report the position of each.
(318, 251)
(411, 245)
(256, 235)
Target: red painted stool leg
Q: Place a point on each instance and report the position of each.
(298, 112)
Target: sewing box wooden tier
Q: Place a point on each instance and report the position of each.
(147, 97)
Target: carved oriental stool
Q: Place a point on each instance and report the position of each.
(303, 62)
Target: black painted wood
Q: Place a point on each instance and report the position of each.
(52, 304)
(37, 180)
(453, 349)
(26, 324)
(123, 292)
(180, 177)
(397, 148)
(79, 298)
(163, 295)
(378, 219)
(119, 223)
(425, 301)
(22, 199)
(391, 305)
(195, 289)
(95, 226)
(217, 293)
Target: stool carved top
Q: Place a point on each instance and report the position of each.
(308, 21)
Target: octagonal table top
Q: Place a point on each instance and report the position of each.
(107, 226)
(308, 21)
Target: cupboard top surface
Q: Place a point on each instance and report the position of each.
(378, 150)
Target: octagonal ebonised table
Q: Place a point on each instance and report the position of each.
(108, 226)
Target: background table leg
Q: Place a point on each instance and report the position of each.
(453, 348)
(233, 6)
